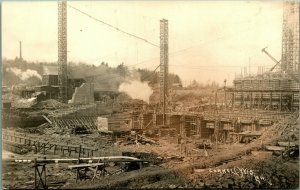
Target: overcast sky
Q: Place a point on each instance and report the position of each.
(207, 40)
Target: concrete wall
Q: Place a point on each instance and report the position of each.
(83, 94)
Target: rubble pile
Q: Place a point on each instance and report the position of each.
(291, 132)
(50, 104)
(249, 173)
(137, 139)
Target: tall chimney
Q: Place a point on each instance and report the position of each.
(20, 57)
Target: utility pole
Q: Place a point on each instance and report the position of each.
(242, 72)
(225, 92)
(164, 65)
(249, 65)
(216, 97)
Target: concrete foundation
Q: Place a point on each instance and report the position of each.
(83, 94)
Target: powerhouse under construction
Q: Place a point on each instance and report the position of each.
(77, 129)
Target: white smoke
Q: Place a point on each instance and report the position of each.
(23, 75)
(27, 101)
(136, 90)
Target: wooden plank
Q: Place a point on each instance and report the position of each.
(67, 123)
(275, 148)
(89, 148)
(286, 144)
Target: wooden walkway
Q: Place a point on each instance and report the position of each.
(12, 138)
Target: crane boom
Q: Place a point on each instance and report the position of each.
(273, 59)
(277, 63)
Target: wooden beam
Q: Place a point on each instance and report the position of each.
(47, 119)
(75, 160)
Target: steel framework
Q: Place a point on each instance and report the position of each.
(279, 91)
(290, 37)
(62, 51)
(164, 65)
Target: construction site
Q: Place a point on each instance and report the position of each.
(70, 132)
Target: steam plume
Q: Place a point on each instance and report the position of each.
(136, 89)
(24, 101)
(24, 75)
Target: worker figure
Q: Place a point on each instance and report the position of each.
(179, 139)
(205, 152)
(136, 139)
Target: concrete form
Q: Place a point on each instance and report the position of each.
(218, 125)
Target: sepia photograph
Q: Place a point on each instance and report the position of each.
(150, 94)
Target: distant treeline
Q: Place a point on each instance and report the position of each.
(104, 76)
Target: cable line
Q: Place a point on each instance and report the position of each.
(114, 27)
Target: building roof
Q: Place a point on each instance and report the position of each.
(50, 70)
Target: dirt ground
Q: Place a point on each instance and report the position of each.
(21, 175)
(153, 176)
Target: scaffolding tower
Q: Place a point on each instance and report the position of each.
(62, 51)
(277, 91)
(164, 66)
(290, 37)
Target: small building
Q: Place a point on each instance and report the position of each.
(27, 93)
(50, 75)
(50, 92)
(50, 84)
